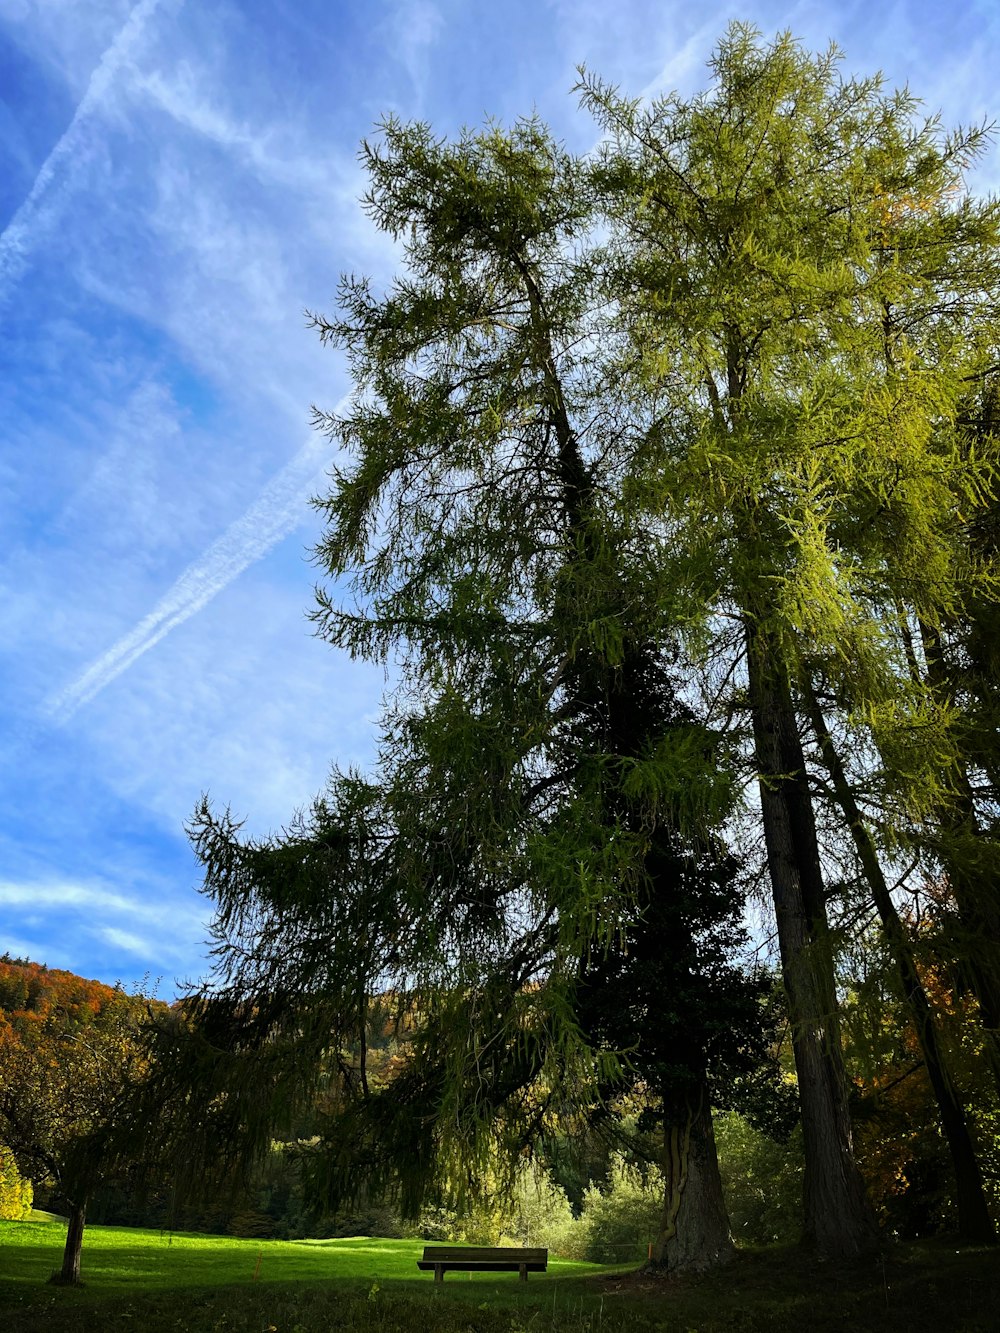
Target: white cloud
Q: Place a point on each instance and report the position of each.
(274, 151)
(158, 929)
(149, 950)
(72, 925)
(91, 898)
(413, 31)
(23, 946)
(246, 705)
(75, 919)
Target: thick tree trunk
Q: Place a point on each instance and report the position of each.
(694, 1232)
(974, 1222)
(838, 1219)
(69, 1274)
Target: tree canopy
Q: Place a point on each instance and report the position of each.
(665, 493)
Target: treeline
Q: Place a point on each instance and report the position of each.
(583, 1197)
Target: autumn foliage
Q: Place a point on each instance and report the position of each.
(70, 1061)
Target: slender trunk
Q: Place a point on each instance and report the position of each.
(69, 1274)
(974, 1222)
(838, 1219)
(973, 886)
(694, 1230)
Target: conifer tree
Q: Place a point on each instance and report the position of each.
(542, 796)
(807, 289)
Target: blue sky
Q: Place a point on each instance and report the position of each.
(178, 182)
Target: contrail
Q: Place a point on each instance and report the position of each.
(275, 512)
(23, 229)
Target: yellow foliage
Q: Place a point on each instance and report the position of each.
(16, 1193)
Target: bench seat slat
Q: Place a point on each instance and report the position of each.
(483, 1259)
(445, 1252)
(511, 1265)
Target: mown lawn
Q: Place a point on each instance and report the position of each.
(152, 1282)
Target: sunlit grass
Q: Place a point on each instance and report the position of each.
(122, 1258)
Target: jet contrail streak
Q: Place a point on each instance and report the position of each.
(22, 232)
(276, 511)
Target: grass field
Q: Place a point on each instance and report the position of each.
(152, 1282)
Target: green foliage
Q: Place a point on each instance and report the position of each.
(899, 1142)
(686, 420)
(545, 805)
(541, 1215)
(762, 1178)
(622, 1216)
(70, 1057)
(811, 295)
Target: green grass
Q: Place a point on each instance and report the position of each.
(123, 1259)
(152, 1282)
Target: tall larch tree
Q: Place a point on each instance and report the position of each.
(806, 366)
(543, 797)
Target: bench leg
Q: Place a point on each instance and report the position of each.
(523, 1271)
(438, 1273)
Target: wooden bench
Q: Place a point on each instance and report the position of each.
(482, 1259)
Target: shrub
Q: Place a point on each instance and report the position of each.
(761, 1181)
(541, 1215)
(16, 1194)
(621, 1218)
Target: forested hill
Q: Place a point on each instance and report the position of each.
(29, 987)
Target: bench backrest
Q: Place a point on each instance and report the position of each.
(485, 1253)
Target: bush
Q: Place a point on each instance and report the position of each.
(623, 1217)
(16, 1194)
(541, 1215)
(761, 1181)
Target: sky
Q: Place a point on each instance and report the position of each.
(179, 183)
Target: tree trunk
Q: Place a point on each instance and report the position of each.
(838, 1219)
(974, 1222)
(973, 885)
(694, 1232)
(69, 1274)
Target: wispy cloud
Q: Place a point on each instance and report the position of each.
(70, 895)
(131, 943)
(154, 929)
(60, 894)
(270, 148)
(276, 512)
(413, 30)
(56, 173)
(21, 946)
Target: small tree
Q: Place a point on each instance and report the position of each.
(70, 1061)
